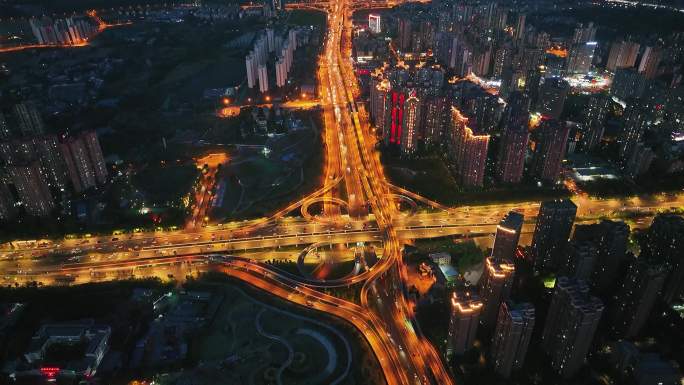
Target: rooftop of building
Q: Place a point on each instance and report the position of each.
(512, 221)
(465, 301)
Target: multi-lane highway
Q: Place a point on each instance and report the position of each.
(358, 205)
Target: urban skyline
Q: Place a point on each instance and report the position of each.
(382, 192)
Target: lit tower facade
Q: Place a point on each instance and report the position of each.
(551, 232)
(433, 119)
(511, 161)
(495, 287)
(411, 125)
(465, 315)
(512, 336)
(396, 118)
(507, 236)
(594, 117)
(570, 325)
(468, 150)
(379, 102)
(549, 150)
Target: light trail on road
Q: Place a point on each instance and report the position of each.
(384, 315)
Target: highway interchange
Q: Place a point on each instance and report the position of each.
(363, 208)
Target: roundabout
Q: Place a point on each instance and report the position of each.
(306, 206)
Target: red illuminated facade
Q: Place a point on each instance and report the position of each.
(396, 117)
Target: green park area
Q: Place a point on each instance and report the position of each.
(465, 254)
(254, 339)
(427, 176)
(248, 336)
(300, 17)
(259, 184)
(166, 184)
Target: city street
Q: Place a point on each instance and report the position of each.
(358, 205)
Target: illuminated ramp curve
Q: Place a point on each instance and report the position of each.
(358, 265)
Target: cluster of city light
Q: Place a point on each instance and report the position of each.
(101, 26)
(591, 82)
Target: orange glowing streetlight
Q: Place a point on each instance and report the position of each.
(303, 95)
(226, 101)
(268, 98)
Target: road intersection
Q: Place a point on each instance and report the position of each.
(358, 205)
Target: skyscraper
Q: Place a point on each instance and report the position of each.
(551, 233)
(270, 39)
(512, 150)
(610, 238)
(29, 118)
(395, 127)
(583, 34)
(637, 294)
(32, 189)
(580, 58)
(507, 237)
(664, 241)
(513, 145)
(292, 35)
(570, 325)
(16, 151)
(520, 28)
(639, 161)
(468, 151)
(484, 111)
(634, 125)
(623, 54)
(95, 155)
(549, 150)
(627, 83)
(79, 167)
(281, 72)
(512, 336)
(495, 287)
(374, 23)
(594, 118)
(404, 34)
(552, 95)
(411, 124)
(581, 257)
(433, 119)
(51, 161)
(263, 79)
(650, 60)
(380, 104)
(465, 314)
(250, 64)
(502, 59)
(71, 170)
